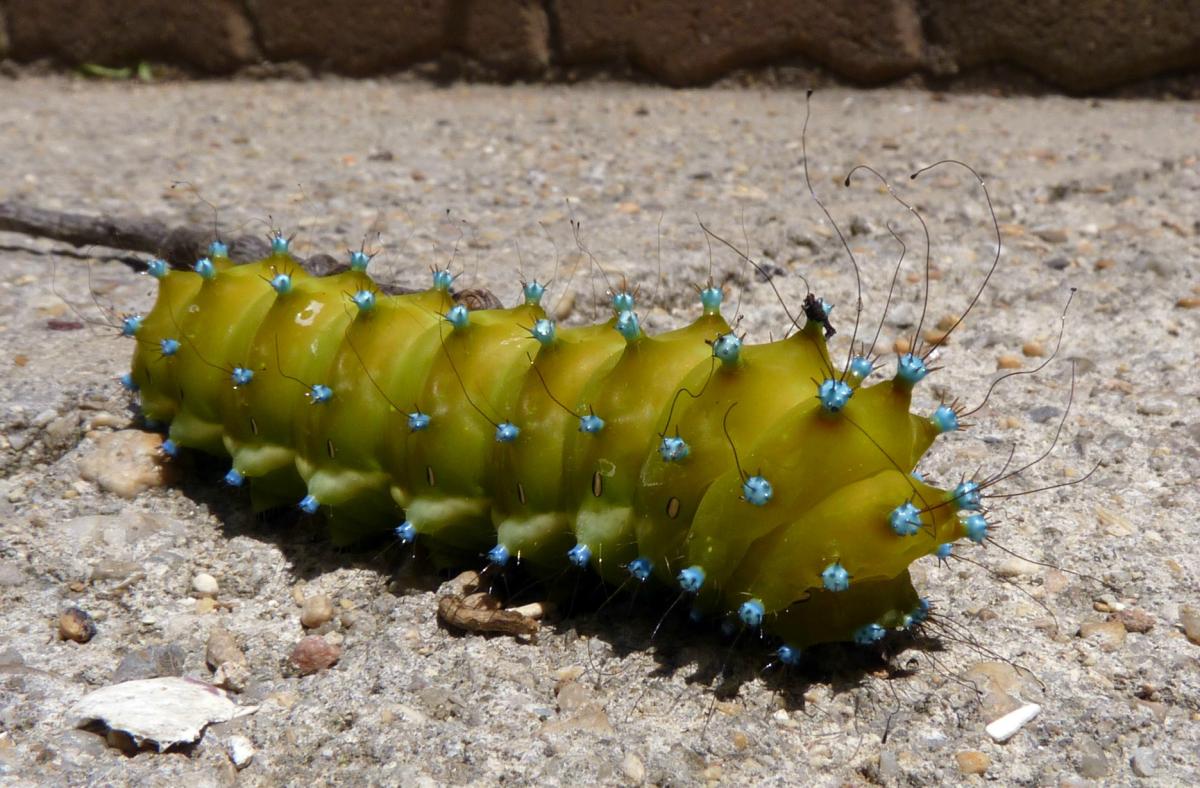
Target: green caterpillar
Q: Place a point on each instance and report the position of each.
(687, 458)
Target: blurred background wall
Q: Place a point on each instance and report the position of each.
(1078, 46)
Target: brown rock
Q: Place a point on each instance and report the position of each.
(1189, 617)
(1078, 44)
(318, 609)
(1033, 349)
(222, 648)
(314, 654)
(1000, 684)
(1109, 634)
(692, 41)
(1008, 361)
(972, 761)
(127, 462)
(1135, 619)
(75, 624)
(213, 35)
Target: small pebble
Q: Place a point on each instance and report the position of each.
(1144, 762)
(972, 761)
(1008, 361)
(1109, 634)
(75, 624)
(1033, 349)
(314, 654)
(205, 605)
(1054, 235)
(318, 609)
(127, 462)
(633, 768)
(1006, 727)
(241, 751)
(1135, 620)
(222, 648)
(901, 345)
(1189, 617)
(205, 585)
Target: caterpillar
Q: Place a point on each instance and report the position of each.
(770, 484)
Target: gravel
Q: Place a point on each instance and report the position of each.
(1093, 194)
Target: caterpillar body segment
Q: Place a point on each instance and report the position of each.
(759, 478)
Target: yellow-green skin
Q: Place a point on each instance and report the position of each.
(836, 476)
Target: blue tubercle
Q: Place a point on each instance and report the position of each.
(591, 423)
(319, 394)
(281, 283)
(169, 346)
(919, 614)
(674, 449)
(241, 376)
(406, 532)
(622, 301)
(157, 268)
(458, 316)
(279, 244)
(218, 249)
(640, 568)
(728, 348)
(945, 419)
(533, 292)
(131, 324)
(359, 260)
(691, 579)
(127, 382)
(788, 655)
(364, 300)
(507, 432)
(835, 577)
(757, 490)
(442, 279)
(871, 633)
(966, 496)
(710, 300)
(205, 268)
(170, 448)
(418, 421)
(233, 478)
(309, 504)
(944, 551)
(543, 331)
(861, 367)
(751, 613)
(911, 369)
(628, 326)
(976, 527)
(905, 519)
(499, 555)
(580, 555)
(834, 394)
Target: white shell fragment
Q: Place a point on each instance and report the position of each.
(1006, 727)
(163, 711)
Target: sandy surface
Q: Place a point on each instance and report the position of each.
(1096, 195)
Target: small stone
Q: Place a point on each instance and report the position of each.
(740, 740)
(314, 654)
(1033, 349)
(205, 605)
(935, 337)
(11, 573)
(222, 648)
(150, 663)
(1109, 634)
(972, 761)
(633, 768)
(241, 751)
(75, 624)
(233, 676)
(205, 585)
(573, 695)
(1144, 762)
(901, 345)
(1188, 302)
(1053, 235)
(1135, 620)
(317, 610)
(1044, 413)
(1015, 567)
(1189, 617)
(1008, 361)
(1057, 263)
(127, 462)
(1092, 762)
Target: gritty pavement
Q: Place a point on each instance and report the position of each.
(1086, 604)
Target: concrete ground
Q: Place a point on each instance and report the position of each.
(1086, 615)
